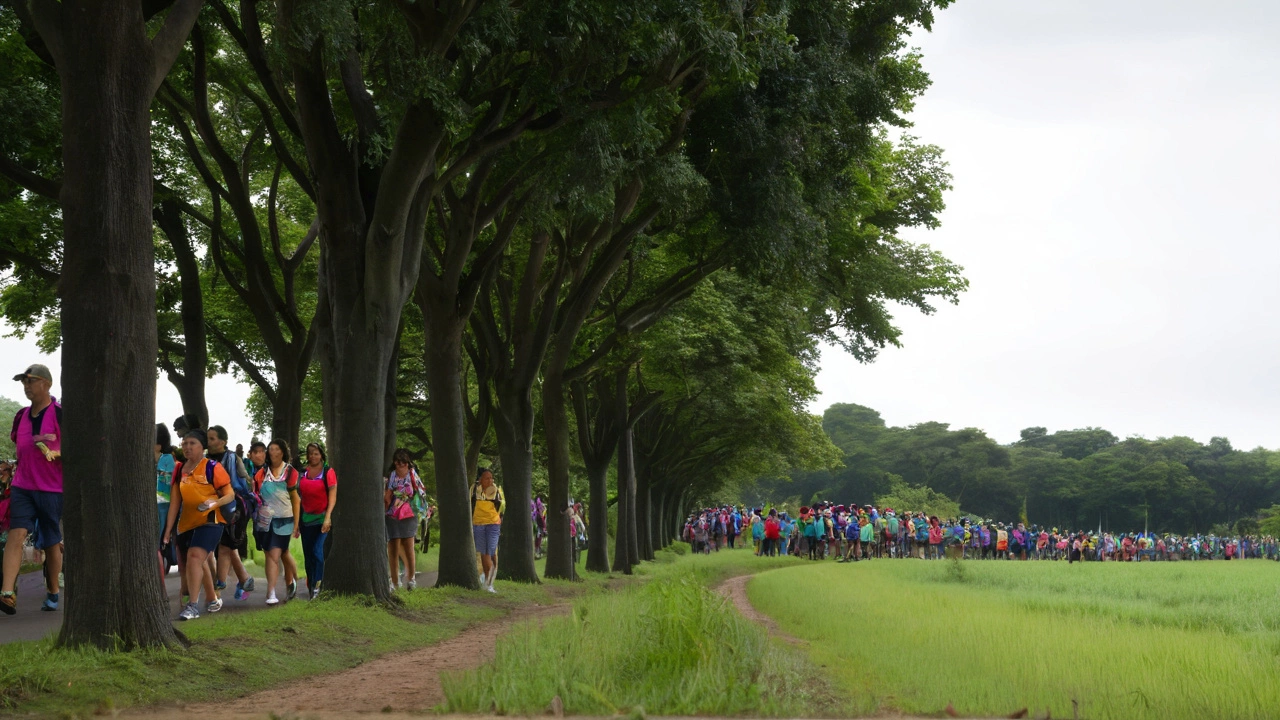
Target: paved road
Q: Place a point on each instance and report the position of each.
(31, 623)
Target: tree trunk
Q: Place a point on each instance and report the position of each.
(623, 557)
(598, 532)
(390, 403)
(555, 419)
(114, 598)
(195, 346)
(629, 524)
(357, 564)
(443, 356)
(644, 514)
(286, 412)
(514, 424)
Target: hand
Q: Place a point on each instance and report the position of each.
(297, 531)
(206, 505)
(324, 527)
(165, 540)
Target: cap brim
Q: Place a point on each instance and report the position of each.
(22, 376)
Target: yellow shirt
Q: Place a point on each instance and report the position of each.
(486, 505)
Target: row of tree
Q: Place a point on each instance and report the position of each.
(606, 233)
(1069, 479)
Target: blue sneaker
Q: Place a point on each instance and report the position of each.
(50, 602)
(241, 593)
(220, 585)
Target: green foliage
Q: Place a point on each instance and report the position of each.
(1181, 641)
(8, 409)
(1071, 479)
(907, 498)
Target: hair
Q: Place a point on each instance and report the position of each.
(306, 454)
(162, 437)
(257, 444)
(401, 455)
(198, 434)
(284, 450)
(222, 432)
(480, 473)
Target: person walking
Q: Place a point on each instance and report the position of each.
(278, 518)
(486, 524)
(201, 493)
(35, 498)
(318, 488)
(235, 535)
(402, 500)
(163, 453)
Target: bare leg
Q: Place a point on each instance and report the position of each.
(196, 575)
(13, 557)
(393, 562)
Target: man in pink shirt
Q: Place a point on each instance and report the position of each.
(35, 505)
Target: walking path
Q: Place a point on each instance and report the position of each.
(31, 623)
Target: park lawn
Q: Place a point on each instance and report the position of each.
(669, 646)
(237, 654)
(1123, 640)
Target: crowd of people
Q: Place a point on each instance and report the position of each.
(849, 533)
(211, 501)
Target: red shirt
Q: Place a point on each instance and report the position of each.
(771, 529)
(315, 491)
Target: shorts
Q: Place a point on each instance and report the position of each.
(233, 534)
(29, 509)
(204, 537)
(486, 537)
(401, 529)
(268, 541)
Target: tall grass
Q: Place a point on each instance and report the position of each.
(670, 646)
(1160, 640)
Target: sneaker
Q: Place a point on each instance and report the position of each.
(411, 585)
(220, 585)
(293, 590)
(248, 584)
(273, 601)
(241, 593)
(190, 612)
(50, 602)
(490, 589)
(8, 603)
(214, 606)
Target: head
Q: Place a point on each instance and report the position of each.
(485, 478)
(217, 439)
(401, 462)
(36, 381)
(258, 453)
(193, 444)
(183, 423)
(163, 440)
(315, 455)
(277, 452)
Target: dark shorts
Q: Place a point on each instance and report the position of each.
(29, 509)
(205, 537)
(233, 534)
(268, 540)
(400, 529)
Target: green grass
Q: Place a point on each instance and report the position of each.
(667, 646)
(1123, 640)
(236, 654)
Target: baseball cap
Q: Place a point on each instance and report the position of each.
(37, 370)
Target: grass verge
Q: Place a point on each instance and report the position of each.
(669, 646)
(235, 655)
(1159, 640)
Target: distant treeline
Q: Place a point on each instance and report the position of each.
(1070, 478)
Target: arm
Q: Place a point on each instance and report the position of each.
(297, 511)
(386, 496)
(225, 497)
(175, 503)
(328, 511)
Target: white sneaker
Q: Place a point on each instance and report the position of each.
(214, 606)
(190, 612)
(490, 589)
(273, 600)
(411, 584)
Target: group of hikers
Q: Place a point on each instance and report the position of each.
(210, 500)
(852, 533)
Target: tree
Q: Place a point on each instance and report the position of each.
(109, 71)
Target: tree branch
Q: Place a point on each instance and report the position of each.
(167, 43)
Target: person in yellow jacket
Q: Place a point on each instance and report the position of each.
(486, 522)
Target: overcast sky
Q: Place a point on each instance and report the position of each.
(1117, 175)
(1115, 209)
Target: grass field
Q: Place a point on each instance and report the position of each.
(670, 646)
(1123, 640)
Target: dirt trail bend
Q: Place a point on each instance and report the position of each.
(404, 682)
(735, 589)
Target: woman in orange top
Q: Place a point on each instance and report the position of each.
(196, 505)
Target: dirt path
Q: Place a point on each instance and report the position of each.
(400, 682)
(735, 589)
